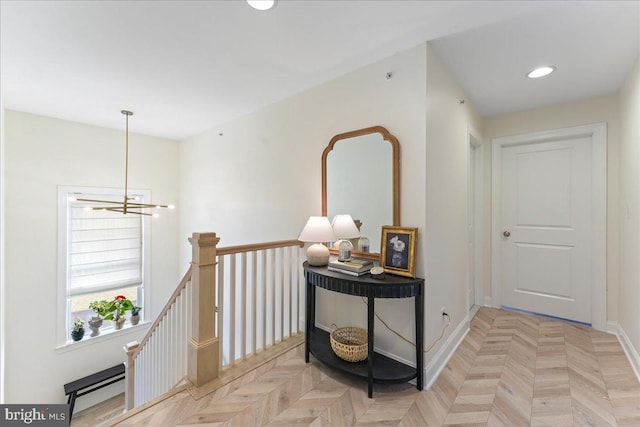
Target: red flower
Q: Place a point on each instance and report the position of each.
(121, 297)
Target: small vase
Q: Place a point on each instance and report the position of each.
(135, 319)
(119, 322)
(94, 325)
(77, 335)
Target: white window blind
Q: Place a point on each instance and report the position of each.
(105, 249)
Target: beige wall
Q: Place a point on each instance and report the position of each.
(41, 154)
(629, 218)
(3, 321)
(446, 198)
(595, 110)
(260, 180)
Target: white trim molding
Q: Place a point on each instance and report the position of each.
(627, 346)
(598, 134)
(474, 139)
(441, 358)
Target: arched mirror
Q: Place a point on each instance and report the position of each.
(361, 177)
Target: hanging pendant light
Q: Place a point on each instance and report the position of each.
(129, 205)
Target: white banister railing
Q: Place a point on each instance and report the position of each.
(258, 299)
(255, 290)
(159, 362)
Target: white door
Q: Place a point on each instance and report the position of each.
(546, 220)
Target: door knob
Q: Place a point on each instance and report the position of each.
(506, 234)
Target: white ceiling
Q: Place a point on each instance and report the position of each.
(187, 66)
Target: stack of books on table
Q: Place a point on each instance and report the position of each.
(353, 267)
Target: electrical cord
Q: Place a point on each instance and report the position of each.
(399, 335)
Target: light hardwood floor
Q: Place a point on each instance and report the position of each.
(512, 369)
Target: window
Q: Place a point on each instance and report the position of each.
(102, 255)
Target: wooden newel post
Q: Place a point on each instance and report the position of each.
(204, 347)
(130, 375)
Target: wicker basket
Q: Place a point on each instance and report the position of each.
(349, 343)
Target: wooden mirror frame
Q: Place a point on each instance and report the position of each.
(395, 147)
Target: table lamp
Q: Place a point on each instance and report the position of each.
(345, 228)
(317, 230)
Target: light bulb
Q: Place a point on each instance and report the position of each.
(541, 72)
(262, 4)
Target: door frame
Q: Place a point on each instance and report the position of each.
(598, 134)
(475, 187)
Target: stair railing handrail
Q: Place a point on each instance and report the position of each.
(172, 299)
(195, 297)
(187, 277)
(257, 247)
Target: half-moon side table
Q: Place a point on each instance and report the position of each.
(377, 368)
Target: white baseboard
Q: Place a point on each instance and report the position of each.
(487, 301)
(440, 359)
(627, 346)
(473, 311)
(612, 327)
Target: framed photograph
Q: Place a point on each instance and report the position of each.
(398, 250)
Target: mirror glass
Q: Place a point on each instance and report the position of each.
(360, 178)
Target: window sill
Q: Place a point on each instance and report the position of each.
(105, 335)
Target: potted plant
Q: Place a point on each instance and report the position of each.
(100, 310)
(116, 310)
(135, 314)
(78, 330)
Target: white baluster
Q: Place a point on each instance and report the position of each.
(264, 299)
(254, 301)
(187, 317)
(173, 343)
(221, 312)
(243, 305)
(232, 311)
(273, 295)
(280, 287)
(287, 285)
(166, 343)
(299, 287)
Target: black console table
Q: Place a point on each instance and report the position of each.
(377, 367)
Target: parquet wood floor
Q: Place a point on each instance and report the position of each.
(512, 369)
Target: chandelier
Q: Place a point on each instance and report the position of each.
(129, 205)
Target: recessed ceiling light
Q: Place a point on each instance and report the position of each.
(262, 4)
(541, 71)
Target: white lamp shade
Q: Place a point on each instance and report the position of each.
(318, 229)
(344, 227)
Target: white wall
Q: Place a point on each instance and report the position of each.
(2, 254)
(445, 231)
(629, 219)
(40, 154)
(260, 180)
(594, 110)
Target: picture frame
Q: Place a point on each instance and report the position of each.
(398, 250)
